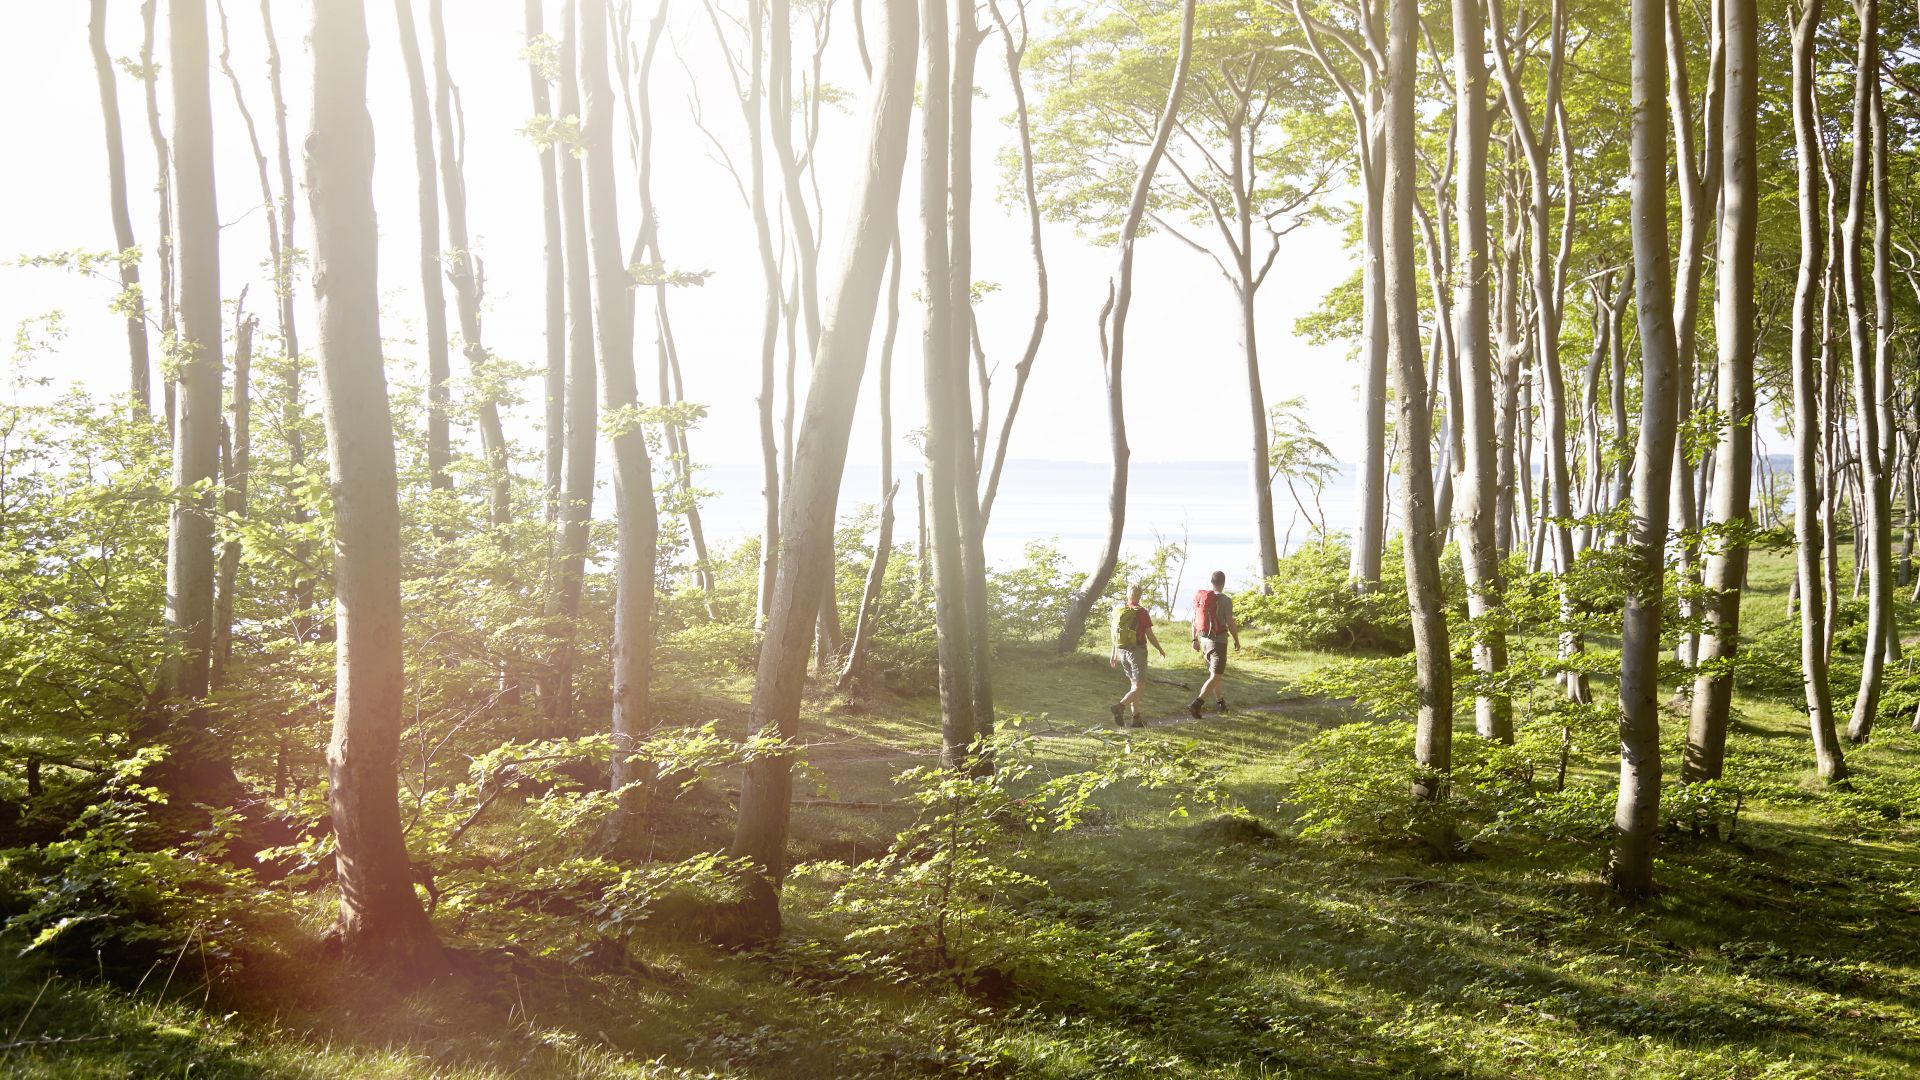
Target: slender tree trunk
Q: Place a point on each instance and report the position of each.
(553, 258)
(381, 923)
(770, 457)
(1015, 52)
(427, 213)
(163, 243)
(635, 515)
(1637, 813)
(199, 763)
(1493, 712)
(1875, 525)
(1113, 330)
(582, 406)
(1811, 529)
(1369, 532)
(293, 413)
(973, 560)
(766, 791)
(1433, 723)
(468, 276)
(139, 365)
(233, 499)
(922, 554)
(869, 615)
(1734, 330)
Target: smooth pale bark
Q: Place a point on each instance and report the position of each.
(1697, 178)
(1015, 52)
(1809, 524)
(238, 454)
(464, 271)
(163, 185)
(381, 923)
(554, 261)
(140, 366)
(198, 761)
(752, 104)
(966, 482)
(1426, 598)
(947, 426)
(582, 403)
(1510, 349)
(922, 567)
(292, 411)
(766, 791)
(1868, 388)
(1547, 281)
(1113, 340)
(432, 291)
(869, 614)
(792, 165)
(1364, 103)
(1478, 424)
(636, 518)
(1637, 809)
(1734, 330)
(1883, 330)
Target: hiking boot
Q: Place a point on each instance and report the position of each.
(1119, 715)
(1220, 707)
(1137, 722)
(1193, 708)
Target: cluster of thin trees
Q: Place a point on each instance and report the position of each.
(1467, 169)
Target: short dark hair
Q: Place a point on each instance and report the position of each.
(1219, 579)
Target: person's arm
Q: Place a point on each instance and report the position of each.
(1154, 639)
(1233, 627)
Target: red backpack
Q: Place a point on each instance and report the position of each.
(1204, 621)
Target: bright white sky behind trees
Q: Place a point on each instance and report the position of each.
(53, 196)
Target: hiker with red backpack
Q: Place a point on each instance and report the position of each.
(1213, 623)
(1131, 632)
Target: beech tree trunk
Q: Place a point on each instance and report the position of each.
(1809, 525)
(427, 213)
(1734, 330)
(1637, 810)
(582, 404)
(766, 791)
(464, 271)
(553, 258)
(1113, 340)
(140, 366)
(1493, 713)
(869, 614)
(238, 446)
(163, 183)
(381, 923)
(636, 520)
(1868, 387)
(199, 764)
(292, 411)
(1426, 597)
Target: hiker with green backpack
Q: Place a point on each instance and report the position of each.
(1131, 632)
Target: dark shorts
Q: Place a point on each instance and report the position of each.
(1133, 663)
(1214, 652)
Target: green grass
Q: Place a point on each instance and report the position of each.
(1792, 949)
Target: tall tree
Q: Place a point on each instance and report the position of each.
(140, 367)
(766, 791)
(1637, 810)
(432, 292)
(464, 270)
(1426, 594)
(199, 761)
(1478, 426)
(1113, 341)
(1869, 384)
(1809, 524)
(381, 923)
(163, 172)
(636, 518)
(553, 260)
(582, 407)
(869, 615)
(1734, 329)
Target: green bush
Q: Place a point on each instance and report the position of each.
(1312, 604)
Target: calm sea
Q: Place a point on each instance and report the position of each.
(1206, 504)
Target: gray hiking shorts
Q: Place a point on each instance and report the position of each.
(1214, 652)
(1133, 664)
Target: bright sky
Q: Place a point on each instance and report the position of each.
(1183, 335)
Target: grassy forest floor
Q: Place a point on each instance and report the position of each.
(1168, 947)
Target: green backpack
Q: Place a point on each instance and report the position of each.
(1126, 627)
